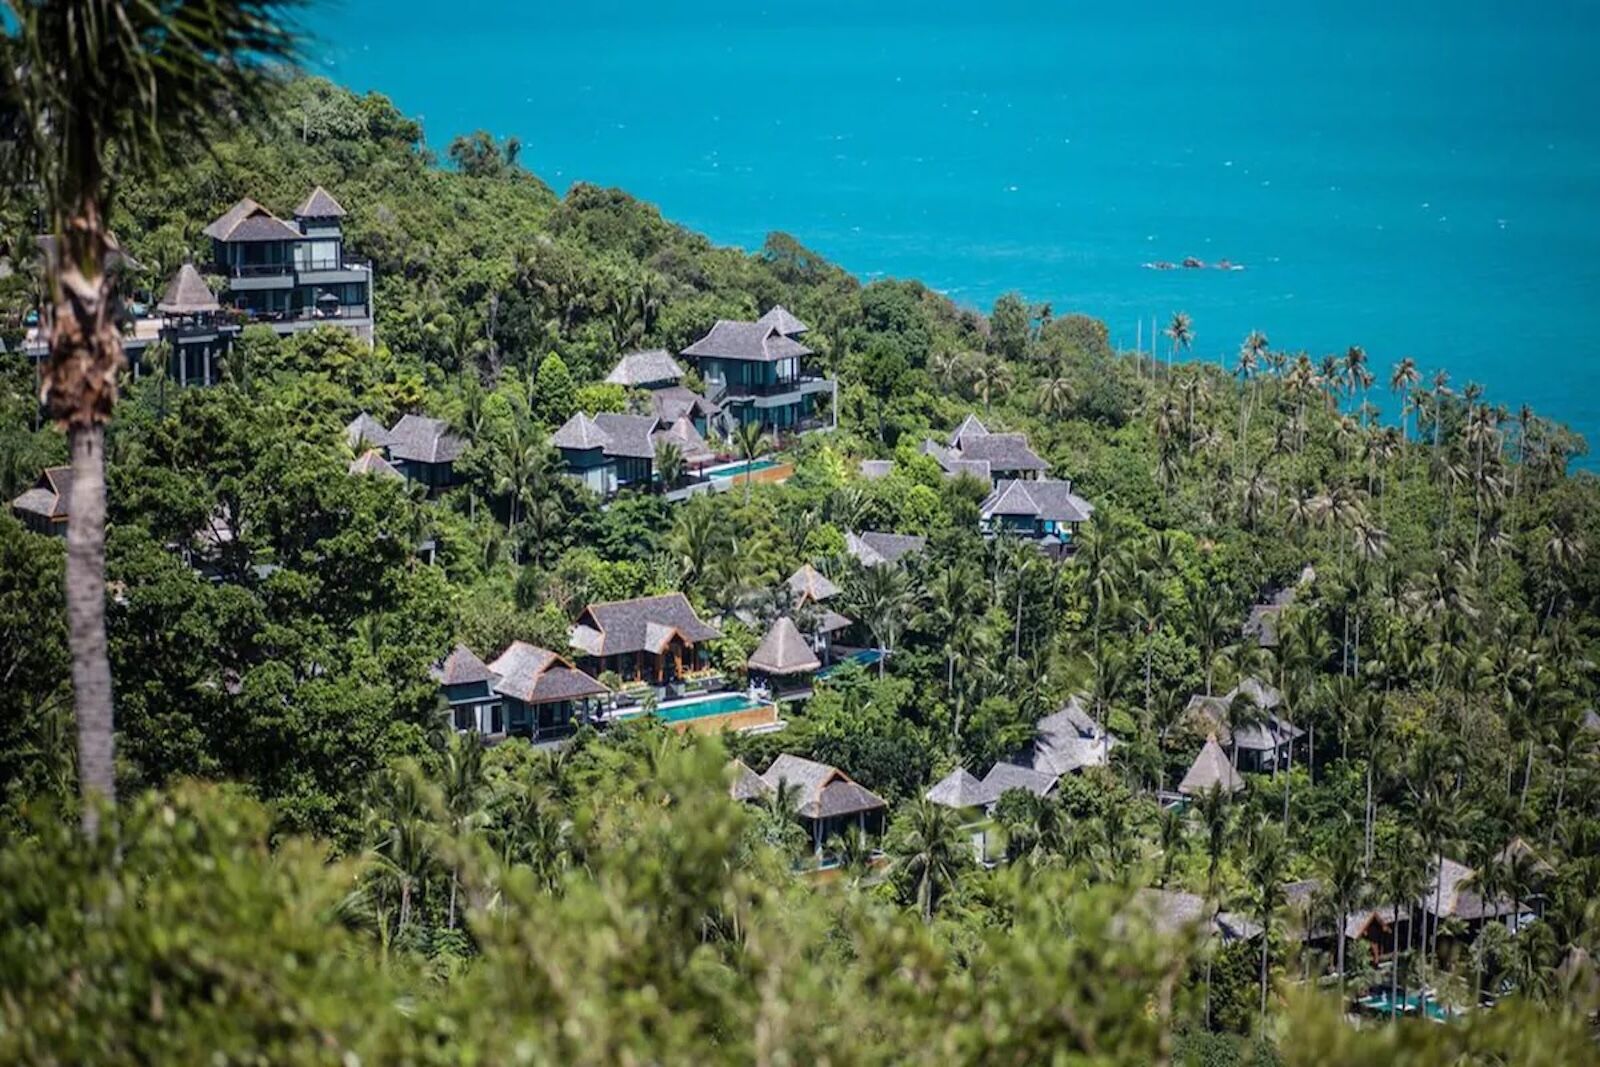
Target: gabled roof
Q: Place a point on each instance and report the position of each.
(249, 221)
(1004, 777)
(784, 650)
(319, 204)
(872, 548)
(674, 402)
(1047, 500)
(618, 627)
(49, 496)
(366, 428)
(747, 341)
(1210, 770)
(958, 789)
(579, 433)
(1448, 885)
(781, 320)
(188, 294)
(461, 667)
(970, 426)
(419, 439)
(1002, 451)
(627, 435)
(821, 791)
(746, 784)
(685, 438)
(810, 584)
(1069, 741)
(642, 368)
(372, 462)
(539, 676)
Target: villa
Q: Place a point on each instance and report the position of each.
(526, 692)
(827, 801)
(417, 448)
(653, 639)
(1065, 742)
(43, 509)
(609, 451)
(658, 374)
(810, 589)
(291, 275)
(1210, 770)
(973, 450)
(1044, 511)
(1171, 912)
(755, 372)
(1263, 740)
(784, 661)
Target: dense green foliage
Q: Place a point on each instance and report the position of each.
(271, 628)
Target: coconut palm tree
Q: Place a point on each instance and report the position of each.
(1174, 842)
(96, 89)
(1269, 859)
(1343, 884)
(947, 369)
(989, 377)
(750, 442)
(464, 794)
(1403, 881)
(1402, 380)
(927, 844)
(1056, 396)
(669, 465)
(883, 600)
(1181, 332)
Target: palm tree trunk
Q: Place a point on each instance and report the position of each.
(1370, 814)
(86, 616)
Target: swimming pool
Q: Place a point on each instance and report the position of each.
(721, 704)
(867, 657)
(729, 470)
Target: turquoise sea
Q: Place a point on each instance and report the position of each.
(1418, 178)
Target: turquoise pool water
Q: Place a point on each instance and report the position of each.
(724, 704)
(728, 470)
(867, 657)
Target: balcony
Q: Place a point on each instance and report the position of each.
(796, 387)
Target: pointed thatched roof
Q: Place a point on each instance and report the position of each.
(1210, 770)
(319, 204)
(810, 584)
(746, 784)
(188, 294)
(372, 462)
(784, 650)
(780, 319)
(958, 789)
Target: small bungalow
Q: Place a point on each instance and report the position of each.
(826, 800)
(191, 324)
(873, 549)
(1172, 912)
(1045, 511)
(964, 794)
(1005, 777)
(609, 451)
(526, 692)
(1261, 742)
(784, 661)
(1210, 770)
(43, 509)
(810, 588)
(1069, 740)
(973, 450)
(418, 448)
(1261, 625)
(655, 639)
(659, 374)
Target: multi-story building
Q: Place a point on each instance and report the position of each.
(756, 372)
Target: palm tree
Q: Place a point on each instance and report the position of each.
(1372, 727)
(1403, 883)
(927, 844)
(990, 377)
(669, 465)
(1056, 396)
(1173, 841)
(1215, 808)
(883, 600)
(1401, 381)
(751, 443)
(1269, 859)
(1181, 331)
(1343, 884)
(463, 792)
(947, 369)
(95, 88)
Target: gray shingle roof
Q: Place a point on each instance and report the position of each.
(971, 425)
(1002, 451)
(642, 368)
(1004, 777)
(958, 789)
(1210, 770)
(372, 462)
(1045, 499)
(462, 667)
(188, 294)
(676, 401)
(319, 204)
(419, 439)
(810, 584)
(1069, 741)
(821, 791)
(539, 676)
(366, 428)
(49, 495)
(829, 622)
(687, 439)
(747, 784)
(623, 626)
(1171, 911)
(780, 319)
(872, 548)
(627, 435)
(249, 221)
(579, 433)
(784, 650)
(748, 341)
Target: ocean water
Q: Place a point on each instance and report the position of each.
(1419, 179)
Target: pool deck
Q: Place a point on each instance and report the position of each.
(763, 717)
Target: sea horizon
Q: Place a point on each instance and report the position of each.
(1416, 186)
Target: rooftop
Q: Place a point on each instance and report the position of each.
(319, 204)
(821, 791)
(810, 584)
(644, 624)
(643, 368)
(958, 789)
(1210, 770)
(49, 496)
(784, 651)
(757, 341)
(1046, 500)
(539, 676)
(187, 294)
(872, 548)
(419, 439)
(249, 221)
(781, 320)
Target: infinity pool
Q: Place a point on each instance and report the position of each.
(729, 470)
(721, 704)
